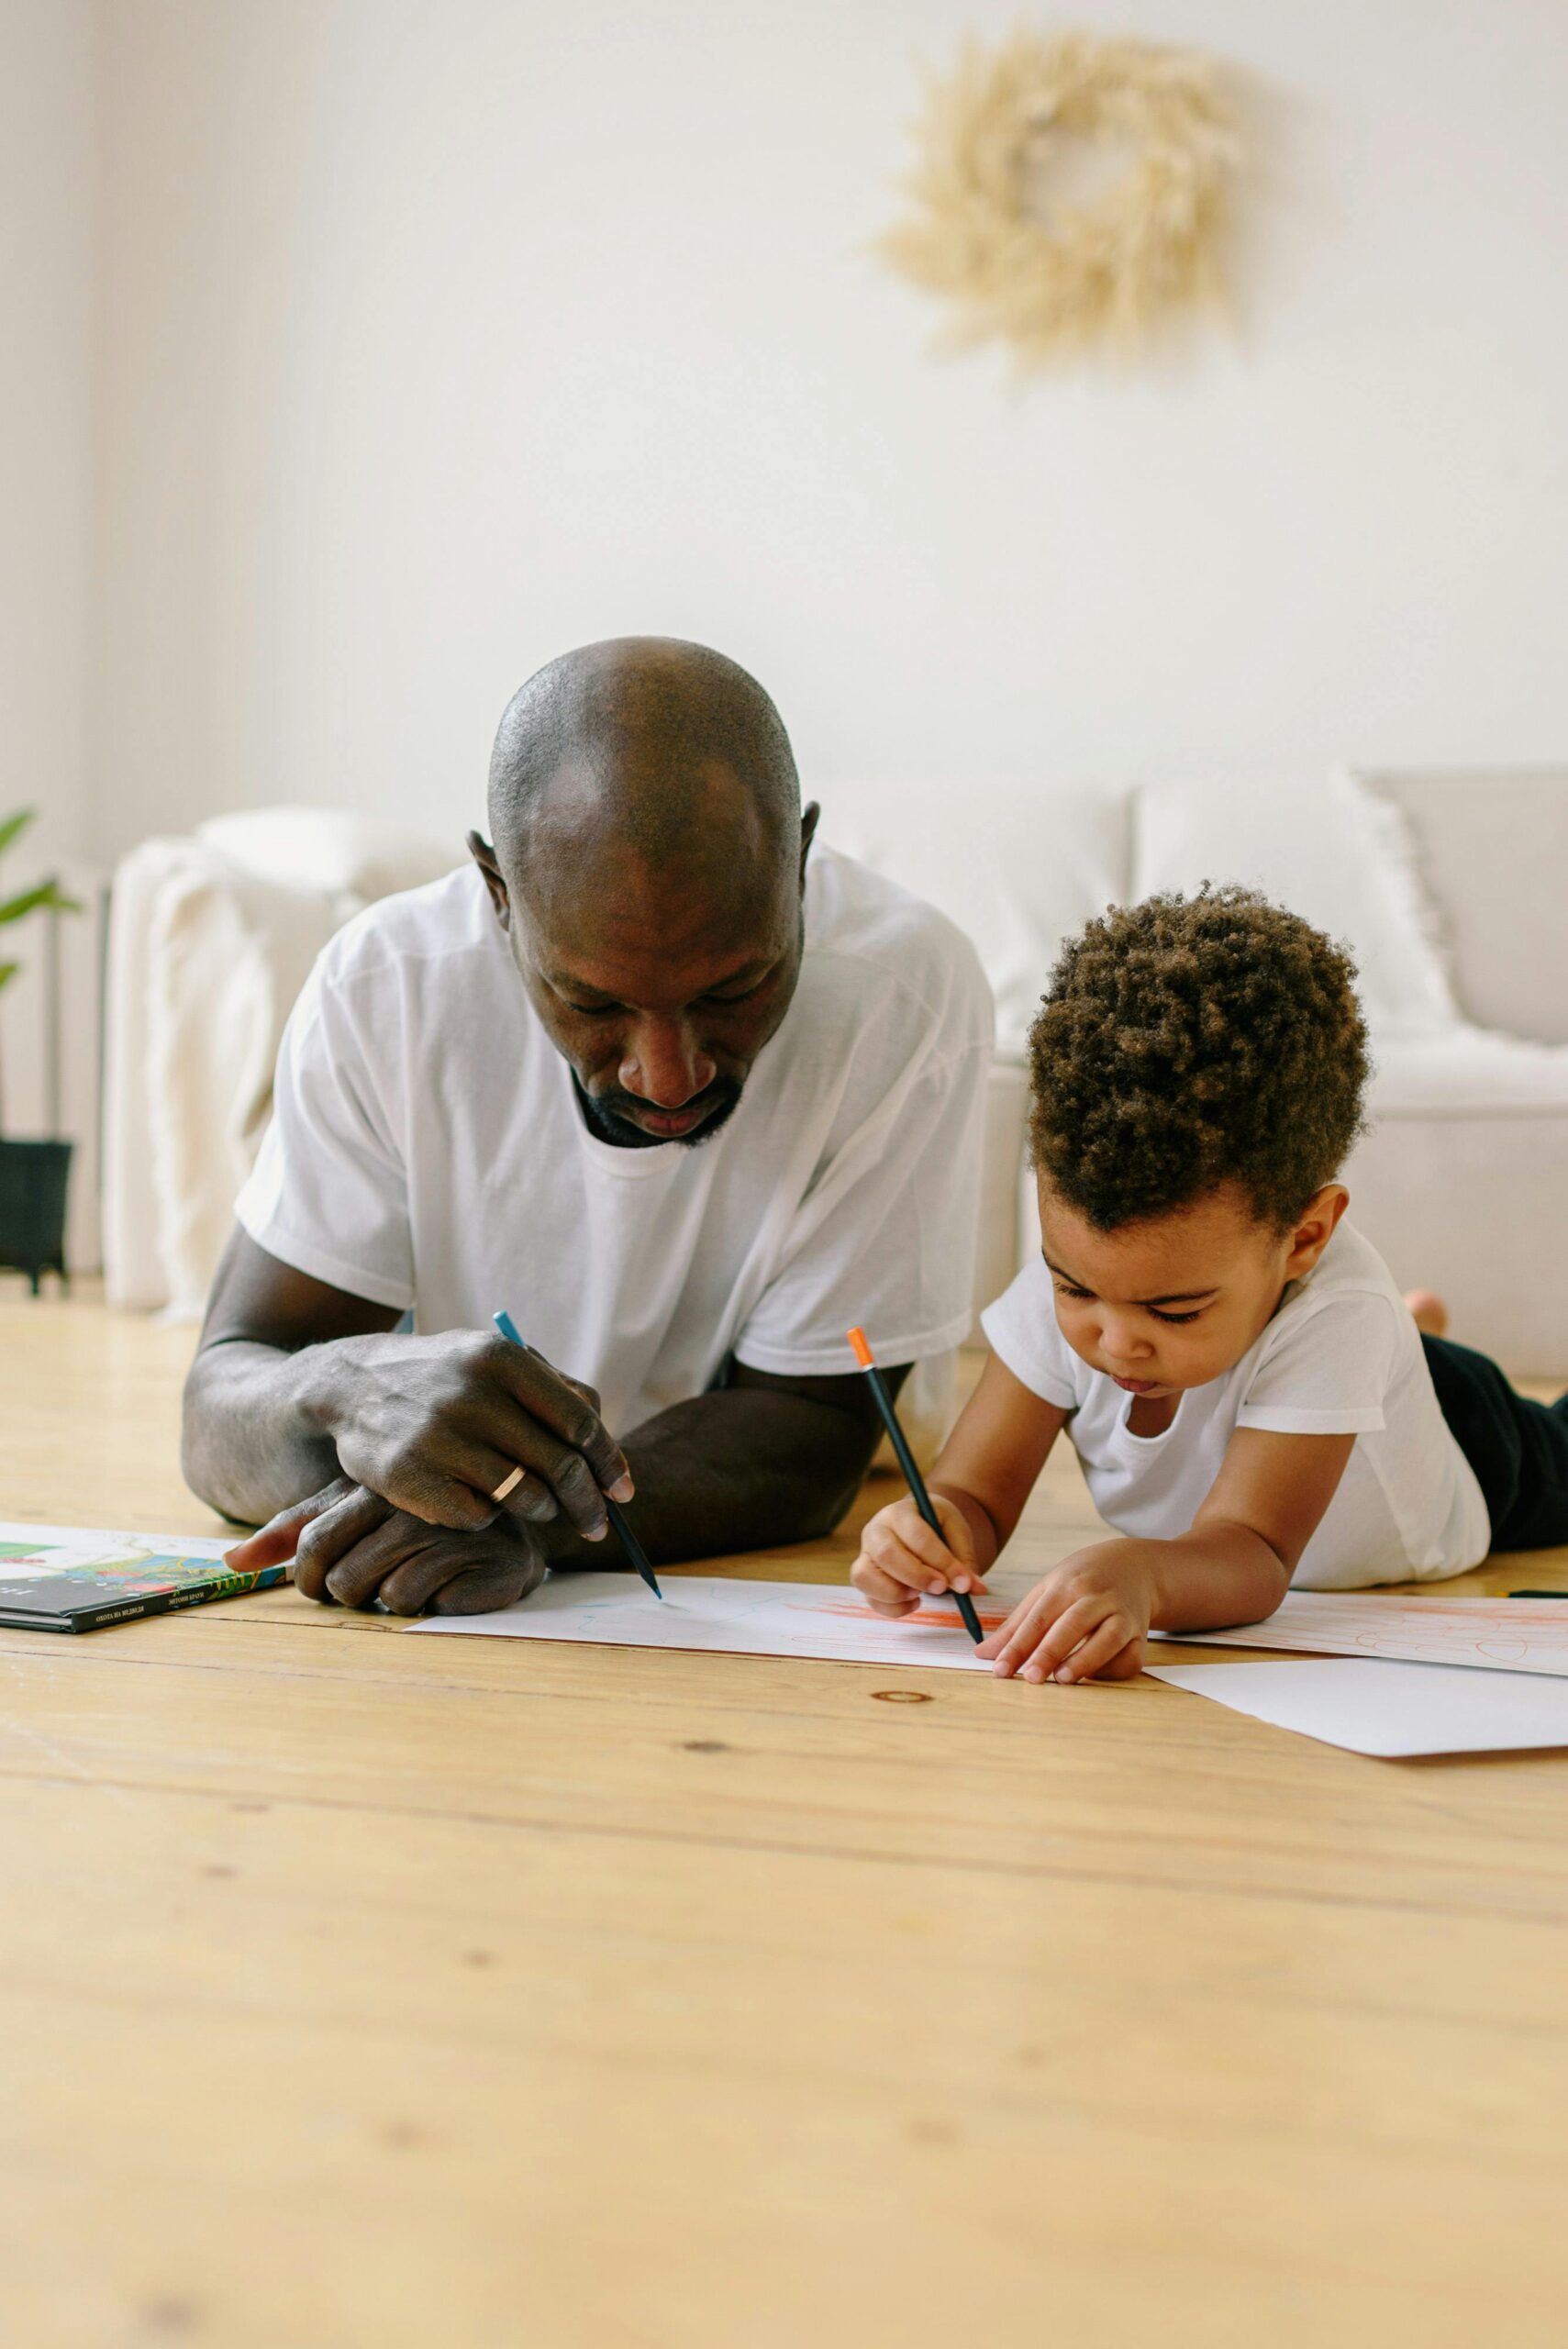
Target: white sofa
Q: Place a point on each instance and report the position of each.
(1446, 886)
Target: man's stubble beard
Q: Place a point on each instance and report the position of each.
(606, 1126)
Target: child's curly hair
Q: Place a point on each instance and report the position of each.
(1188, 1043)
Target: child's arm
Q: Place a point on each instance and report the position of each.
(983, 1476)
(1090, 1614)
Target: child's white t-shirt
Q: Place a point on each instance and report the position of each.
(1341, 1356)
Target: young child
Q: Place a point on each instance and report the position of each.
(1249, 1397)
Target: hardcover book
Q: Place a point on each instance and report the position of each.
(73, 1578)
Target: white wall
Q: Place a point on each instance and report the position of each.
(46, 191)
(46, 480)
(439, 337)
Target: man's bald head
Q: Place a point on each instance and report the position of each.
(649, 748)
(649, 867)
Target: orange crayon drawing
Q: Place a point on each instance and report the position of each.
(931, 1618)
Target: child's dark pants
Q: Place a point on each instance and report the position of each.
(1518, 1449)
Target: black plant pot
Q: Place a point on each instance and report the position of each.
(33, 1178)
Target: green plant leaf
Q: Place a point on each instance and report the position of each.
(12, 825)
(8, 970)
(33, 900)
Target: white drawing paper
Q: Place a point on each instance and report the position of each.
(1494, 1634)
(1387, 1710)
(728, 1616)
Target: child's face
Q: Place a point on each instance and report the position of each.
(1177, 1300)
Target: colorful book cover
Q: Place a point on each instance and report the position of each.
(77, 1578)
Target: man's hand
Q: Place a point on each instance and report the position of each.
(901, 1557)
(349, 1545)
(435, 1426)
(1086, 1620)
(296, 1383)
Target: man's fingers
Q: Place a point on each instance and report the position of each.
(482, 1590)
(574, 1484)
(531, 1500)
(333, 1532)
(464, 1499)
(359, 1570)
(443, 1453)
(279, 1537)
(483, 1445)
(486, 1581)
(402, 1562)
(449, 1479)
(556, 1403)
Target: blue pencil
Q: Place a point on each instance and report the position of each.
(628, 1541)
(912, 1476)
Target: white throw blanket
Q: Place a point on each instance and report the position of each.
(209, 943)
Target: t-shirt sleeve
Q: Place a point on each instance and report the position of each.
(885, 1236)
(1022, 1332)
(1325, 1370)
(328, 1191)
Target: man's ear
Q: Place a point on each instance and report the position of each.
(1315, 1229)
(808, 816)
(484, 856)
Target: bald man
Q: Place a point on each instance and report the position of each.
(683, 1094)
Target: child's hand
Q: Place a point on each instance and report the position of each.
(1086, 1620)
(901, 1558)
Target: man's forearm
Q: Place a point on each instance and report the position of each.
(252, 1440)
(743, 1468)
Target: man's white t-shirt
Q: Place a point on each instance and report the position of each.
(1341, 1356)
(428, 1150)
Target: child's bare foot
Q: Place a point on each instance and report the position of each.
(1428, 1311)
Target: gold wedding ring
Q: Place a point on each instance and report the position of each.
(508, 1484)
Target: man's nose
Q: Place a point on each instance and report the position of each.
(662, 1064)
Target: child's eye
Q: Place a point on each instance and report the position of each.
(1176, 1316)
(1064, 1288)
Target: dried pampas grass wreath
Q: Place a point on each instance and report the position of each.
(1048, 275)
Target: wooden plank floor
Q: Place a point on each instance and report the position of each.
(360, 1990)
